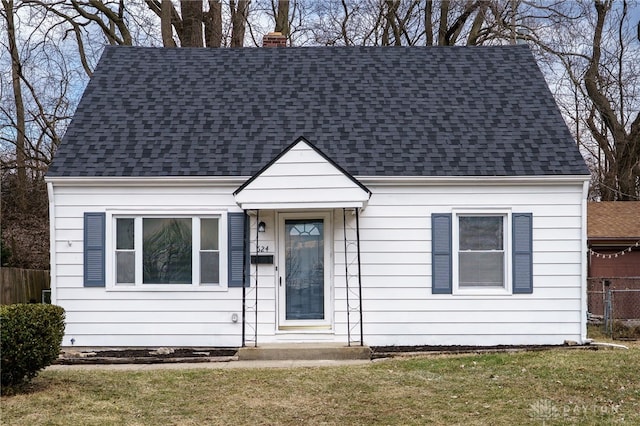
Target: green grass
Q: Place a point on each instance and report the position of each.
(554, 386)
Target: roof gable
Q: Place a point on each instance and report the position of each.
(376, 111)
(301, 176)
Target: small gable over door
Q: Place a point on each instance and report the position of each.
(301, 176)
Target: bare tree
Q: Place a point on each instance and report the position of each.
(414, 22)
(33, 115)
(189, 23)
(593, 42)
(8, 14)
(617, 132)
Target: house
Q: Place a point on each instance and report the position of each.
(613, 238)
(613, 233)
(361, 195)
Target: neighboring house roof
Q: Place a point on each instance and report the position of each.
(613, 220)
(376, 111)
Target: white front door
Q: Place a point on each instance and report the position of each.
(304, 268)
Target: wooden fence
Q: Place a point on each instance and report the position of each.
(22, 285)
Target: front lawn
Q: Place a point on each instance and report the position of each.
(550, 387)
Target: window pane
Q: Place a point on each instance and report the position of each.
(125, 267)
(124, 234)
(209, 234)
(481, 233)
(166, 251)
(209, 267)
(481, 269)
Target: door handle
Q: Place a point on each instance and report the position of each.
(280, 281)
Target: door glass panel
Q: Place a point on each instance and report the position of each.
(304, 287)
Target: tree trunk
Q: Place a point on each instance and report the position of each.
(476, 26)
(192, 23)
(238, 21)
(444, 22)
(16, 67)
(213, 24)
(166, 27)
(428, 22)
(282, 18)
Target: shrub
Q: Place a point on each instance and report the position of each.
(30, 340)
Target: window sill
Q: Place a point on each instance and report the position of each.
(168, 288)
(488, 291)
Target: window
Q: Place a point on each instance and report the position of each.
(209, 251)
(477, 252)
(481, 254)
(167, 250)
(125, 252)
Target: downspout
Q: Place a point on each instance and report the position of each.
(52, 245)
(583, 272)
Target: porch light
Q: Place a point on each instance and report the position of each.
(262, 227)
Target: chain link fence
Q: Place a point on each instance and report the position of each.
(614, 304)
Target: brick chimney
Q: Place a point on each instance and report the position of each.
(275, 39)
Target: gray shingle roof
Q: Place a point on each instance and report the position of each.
(376, 111)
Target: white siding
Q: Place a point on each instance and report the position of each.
(395, 232)
(301, 177)
(108, 316)
(399, 308)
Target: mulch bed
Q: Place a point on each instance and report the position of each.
(193, 355)
(393, 351)
(147, 356)
(175, 353)
(456, 348)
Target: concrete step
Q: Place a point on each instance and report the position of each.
(303, 351)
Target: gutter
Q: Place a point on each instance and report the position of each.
(146, 181)
(476, 180)
(223, 181)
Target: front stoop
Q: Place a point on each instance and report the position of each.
(303, 351)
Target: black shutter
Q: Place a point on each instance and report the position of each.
(237, 254)
(522, 253)
(94, 249)
(441, 277)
